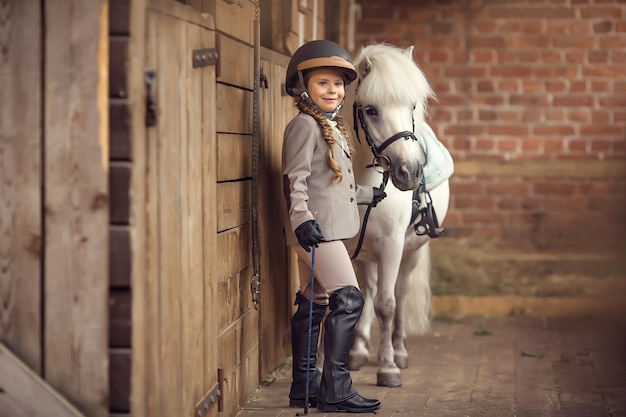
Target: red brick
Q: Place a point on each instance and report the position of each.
(615, 101)
(618, 41)
(595, 12)
(507, 145)
(459, 187)
(508, 130)
(486, 203)
(571, 101)
(484, 145)
(577, 145)
(516, 71)
(490, 100)
(532, 86)
(528, 100)
(485, 42)
(484, 217)
(484, 86)
(438, 56)
(464, 116)
(600, 117)
(565, 71)
(531, 145)
(462, 202)
(619, 86)
(553, 145)
(620, 116)
(603, 27)
(484, 27)
(578, 115)
(530, 114)
(598, 145)
(553, 130)
(509, 86)
(464, 129)
(578, 86)
(460, 144)
(553, 188)
(441, 115)
(508, 204)
(551, 56)
(602, 130)
(487, 115)
(482, 56)
(508, 188)
(505, 12)
(601, 86)
(555, 86)
(613, 71)
(597, 56)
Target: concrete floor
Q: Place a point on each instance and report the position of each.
(518, 366)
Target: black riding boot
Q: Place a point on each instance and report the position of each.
(336, 393)
(299, 340)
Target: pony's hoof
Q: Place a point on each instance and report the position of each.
(401, 361)
(356, 361)
(390, 380)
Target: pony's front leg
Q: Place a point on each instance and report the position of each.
(359, 354)
(388, 374)
(412, 287)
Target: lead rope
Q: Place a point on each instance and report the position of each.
(367, 214)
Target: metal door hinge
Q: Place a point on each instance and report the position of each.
(211, 397)
(204, 57)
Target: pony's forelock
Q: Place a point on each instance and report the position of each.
(392, 78)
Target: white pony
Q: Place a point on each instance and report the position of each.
(393, 263)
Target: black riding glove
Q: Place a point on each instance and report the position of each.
(378, 196)
(309, 234)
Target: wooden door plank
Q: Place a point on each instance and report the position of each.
(191, 245)
(76, 202)
(172, 137)
(276, 111)
(209, 230)
(25, 394)
(234, 157)
(234, 203)
(20, 181)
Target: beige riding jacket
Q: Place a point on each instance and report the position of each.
(308, 182)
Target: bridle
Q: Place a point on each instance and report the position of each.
(428, 223)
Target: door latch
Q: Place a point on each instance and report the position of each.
(151, 107)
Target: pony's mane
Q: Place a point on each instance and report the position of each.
(390, 76)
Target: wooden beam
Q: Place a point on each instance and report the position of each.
(25, 394)
(541, 169)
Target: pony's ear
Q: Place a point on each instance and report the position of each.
(409, 51)
(365, 67)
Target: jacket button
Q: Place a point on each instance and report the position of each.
(351, 200)
(351, 187)
(349, 171)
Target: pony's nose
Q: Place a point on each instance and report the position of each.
(407, 174)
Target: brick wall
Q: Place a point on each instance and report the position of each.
(531, 103)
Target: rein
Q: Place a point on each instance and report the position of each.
(428, 223)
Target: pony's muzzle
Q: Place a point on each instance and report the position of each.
(406, 176)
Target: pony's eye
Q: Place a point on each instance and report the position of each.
(371, 111)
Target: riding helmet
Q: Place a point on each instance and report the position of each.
(318, 54)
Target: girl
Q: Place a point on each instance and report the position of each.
(322, 198)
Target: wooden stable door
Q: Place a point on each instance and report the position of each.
(177, 370)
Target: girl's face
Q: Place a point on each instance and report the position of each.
(326, 88)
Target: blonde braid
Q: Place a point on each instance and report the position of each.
(327, 133)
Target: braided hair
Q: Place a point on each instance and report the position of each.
(327, 133)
